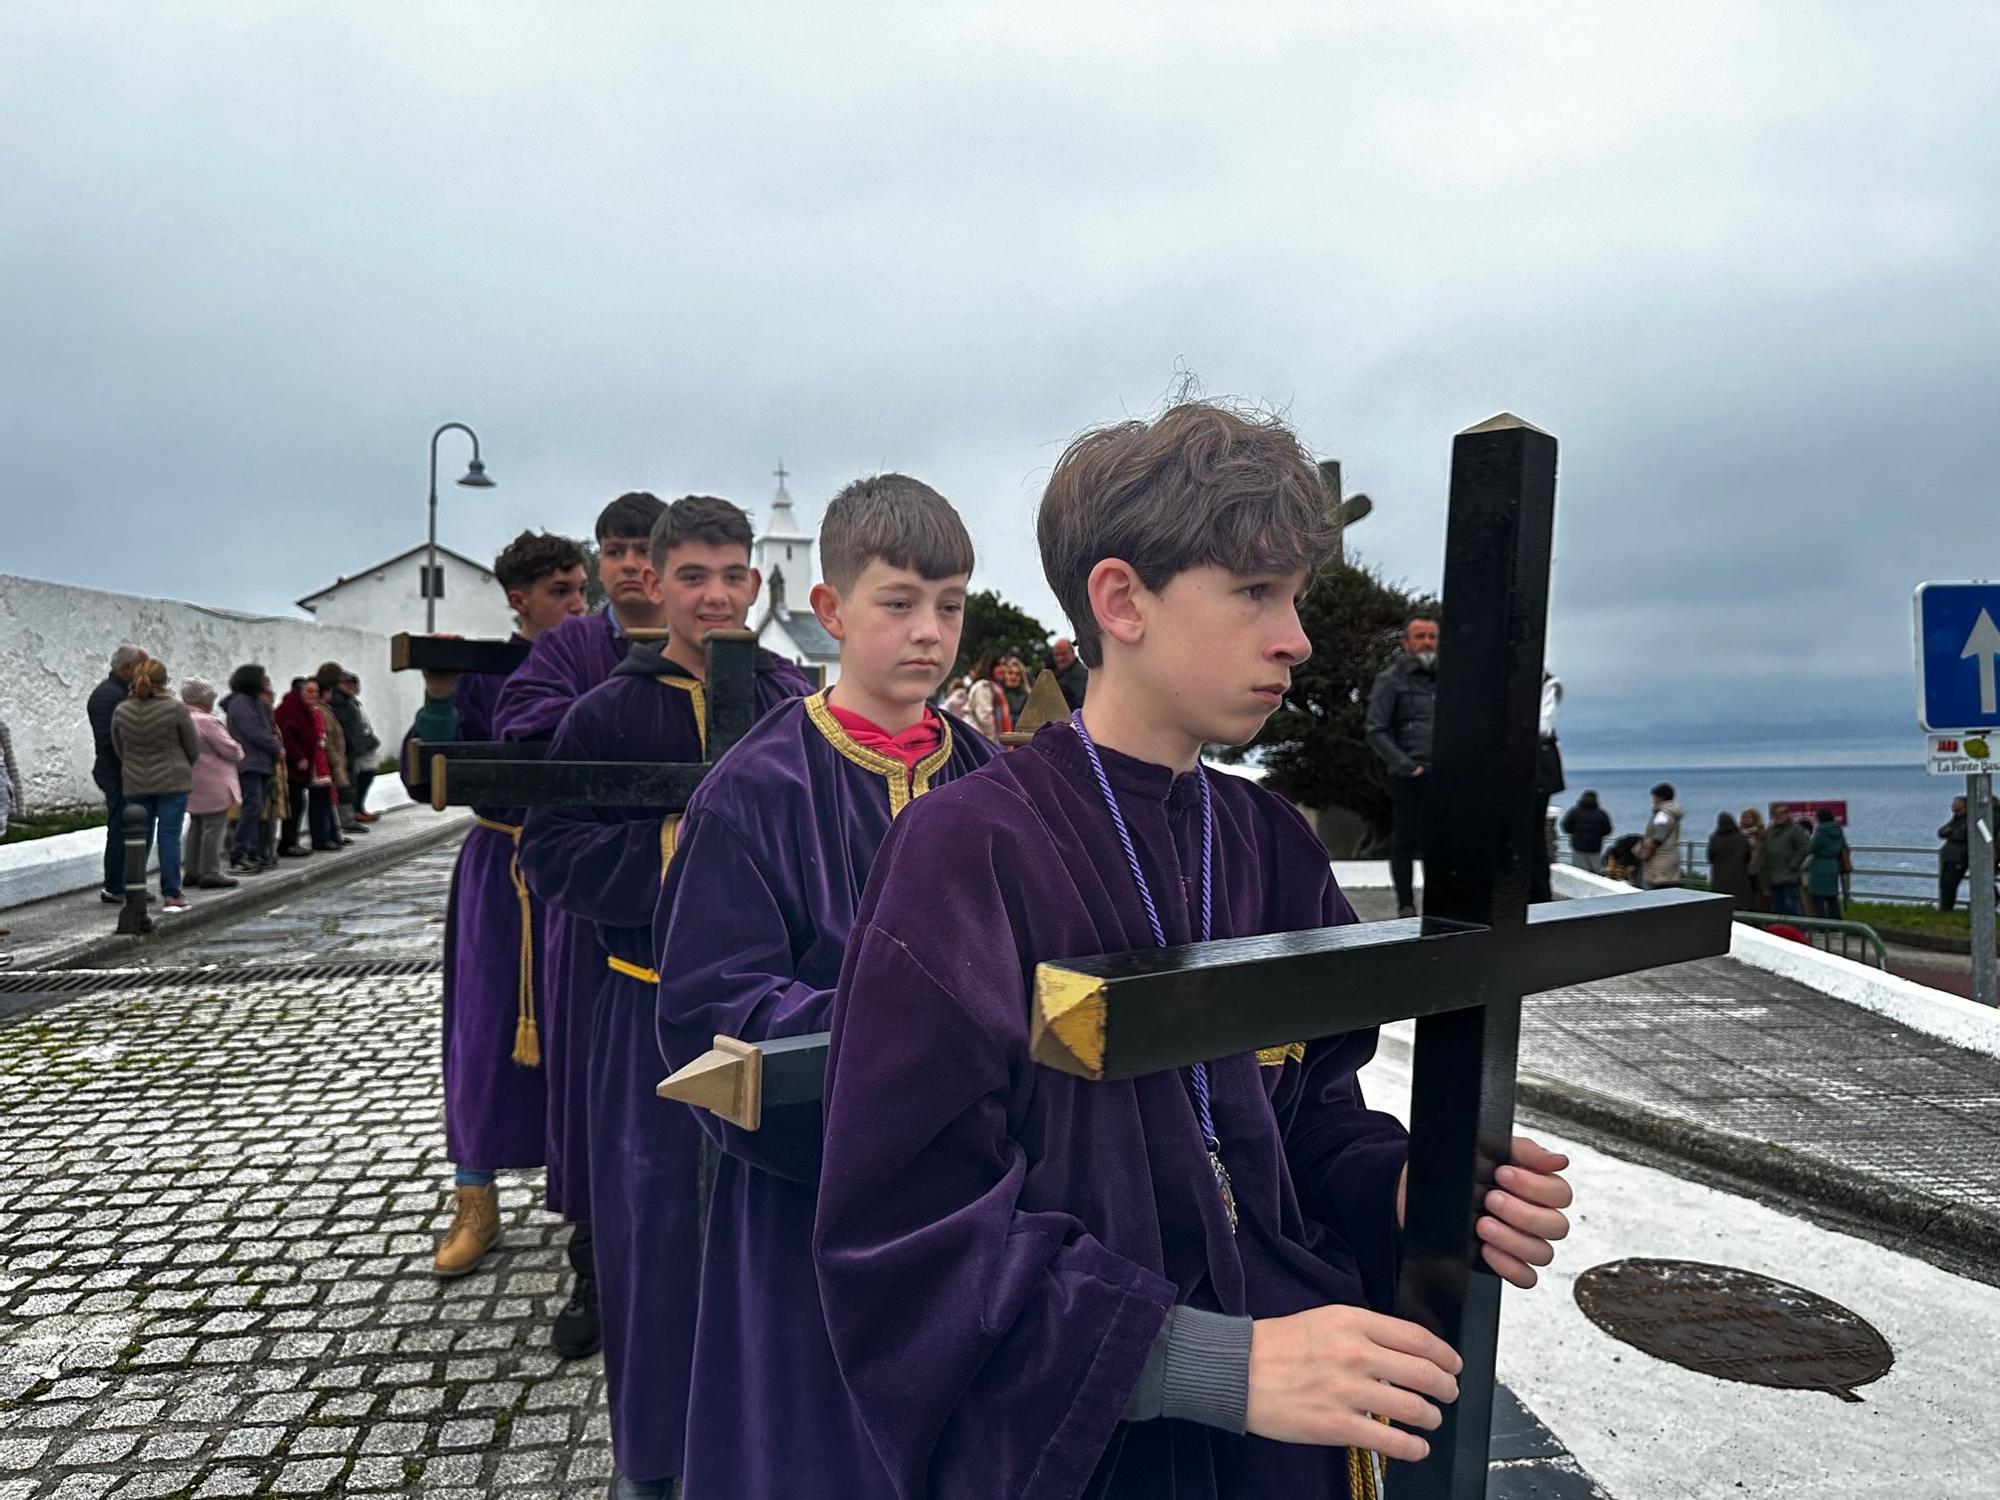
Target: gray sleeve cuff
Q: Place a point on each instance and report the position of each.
(1198, 1371)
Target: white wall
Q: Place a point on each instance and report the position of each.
(390, 599)
(55, 646)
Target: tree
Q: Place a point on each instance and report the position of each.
(1312, 749)
(992, 624)
(593, 591)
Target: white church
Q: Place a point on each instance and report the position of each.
(782, 614)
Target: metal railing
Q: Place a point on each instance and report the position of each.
(1917, 870)
(1825, 935)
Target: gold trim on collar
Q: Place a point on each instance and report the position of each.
(904, 782)
(695, 691)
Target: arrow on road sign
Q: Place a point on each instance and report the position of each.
(1984, 643)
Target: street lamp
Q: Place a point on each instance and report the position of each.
(475, 479)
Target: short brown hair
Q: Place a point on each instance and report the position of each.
(699, 518)
(632, 514)
(901, 520)
(533, 556)
(1200, 484)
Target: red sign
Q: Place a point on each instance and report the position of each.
(1807, 812)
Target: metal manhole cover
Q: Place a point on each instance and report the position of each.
(1735, 1325)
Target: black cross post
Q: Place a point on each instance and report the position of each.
(1461, 970)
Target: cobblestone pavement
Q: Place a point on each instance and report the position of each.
(395, 913)
(216, 1214)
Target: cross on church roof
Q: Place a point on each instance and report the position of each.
(781, 472)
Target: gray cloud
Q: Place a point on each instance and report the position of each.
(1740, 263)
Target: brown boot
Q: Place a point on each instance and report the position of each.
(475, 1229)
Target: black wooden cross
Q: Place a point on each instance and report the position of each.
(1461, 969)
(510, 773)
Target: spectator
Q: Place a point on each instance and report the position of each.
(1012, 676)
(350, 741)
(1785, 847)
(985, 703)
(308, 772)
(1072, 676)
(1402, 709)
(216, 788)
(1588, 826)
(1752, 823)
(362, 761)
(955, 700)
(1660, 850)
(16, 786)
(250, 724)
(277, 794)
(1828, 851)
(104, 701)
(337, 759)
(1548, 781)
(1729, 861)
(1954, 855)
(156, 745)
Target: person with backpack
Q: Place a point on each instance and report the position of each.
(1588, 826)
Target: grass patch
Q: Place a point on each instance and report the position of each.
(42, 825)
(1911, 917)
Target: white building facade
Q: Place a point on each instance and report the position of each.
(389, 597)
(782, 612)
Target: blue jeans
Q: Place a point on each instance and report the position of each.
(114, 838)
(1785, 900)
(244, 845)
(165, 811)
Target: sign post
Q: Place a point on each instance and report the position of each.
(1958, 703)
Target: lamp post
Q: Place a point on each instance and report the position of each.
(475, 478)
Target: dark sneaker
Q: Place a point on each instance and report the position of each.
(111, 897)
(576, 1334)
(294, 853)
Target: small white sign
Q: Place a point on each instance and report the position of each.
(1963, 754)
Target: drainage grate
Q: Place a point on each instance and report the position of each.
(77, 981)
(1734, 1325)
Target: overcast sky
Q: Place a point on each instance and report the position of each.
(1739, 259)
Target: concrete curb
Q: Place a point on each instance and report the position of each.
(266, 891)
(1880, 1201)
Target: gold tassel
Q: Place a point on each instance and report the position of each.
(527, 1043)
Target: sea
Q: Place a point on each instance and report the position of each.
(1893, 811)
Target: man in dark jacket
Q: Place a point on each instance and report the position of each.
(1402, 708)
(1954, 856)
(1072, 676)
(339, 691)
(252, 727)
(103, 702)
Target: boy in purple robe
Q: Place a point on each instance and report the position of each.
(566, 663)
(773, 855)
(1170, 1285)
(605, 866)
(495, 1106)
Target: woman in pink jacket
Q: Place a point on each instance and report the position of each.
(215, 787)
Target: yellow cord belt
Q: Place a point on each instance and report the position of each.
(1364, 1473)
(632, 971)
(527, 1042)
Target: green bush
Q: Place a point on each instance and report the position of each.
(1910, 917)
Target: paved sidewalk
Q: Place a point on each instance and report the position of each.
(1763, 1079)
(80, 929)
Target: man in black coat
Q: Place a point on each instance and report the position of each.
(1954, 855)
(106, 771)
(1402, 711)
(1072, 676)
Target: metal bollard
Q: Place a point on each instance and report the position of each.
(132, 916)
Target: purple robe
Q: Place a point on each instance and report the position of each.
(998, 1243)
(773, 856)
(495, 1109)
(566, 662)
(606, 866)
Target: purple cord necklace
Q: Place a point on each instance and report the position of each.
(1198, 1073)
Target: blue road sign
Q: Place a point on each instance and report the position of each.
(1958, 656)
